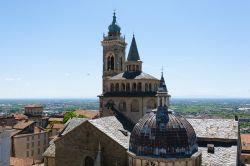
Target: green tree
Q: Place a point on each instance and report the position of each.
(68, 115)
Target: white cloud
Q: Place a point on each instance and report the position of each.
(9, 79)
(67, 74)
(13, 79)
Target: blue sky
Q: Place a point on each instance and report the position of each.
(51, 49)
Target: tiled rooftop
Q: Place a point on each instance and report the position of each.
(222, 156)
(113, 128)
(33, 106)
(14, 161)
(55, 120)
(92, 114)
(23, 124)
(215, 128)
(50, 151)
(72, 123)
(133, 75)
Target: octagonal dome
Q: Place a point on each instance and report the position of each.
(163, 134)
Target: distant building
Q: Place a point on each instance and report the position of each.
(5, 147)
(26, 126)
(91, 114)
(30, 145)
(35, 113)
(8, 121)
(28, 141)
(33, 110)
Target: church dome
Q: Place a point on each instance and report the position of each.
(113, 27)
(163, 134)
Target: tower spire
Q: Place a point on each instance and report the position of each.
(133, 54)
(114, 18)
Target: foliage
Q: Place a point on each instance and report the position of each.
(82, 116)
(68, 115)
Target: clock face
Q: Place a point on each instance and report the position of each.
(150, 163)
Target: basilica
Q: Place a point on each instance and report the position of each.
(136, 126)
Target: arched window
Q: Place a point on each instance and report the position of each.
(121, 63)
(108, 63)
(134, 87)
(122, 106)
(134, 106)
(89, 161)
(123, 87)
(139, 87)
(112, 88)
(146, 87)
(137, 68)
(150, 87)
(112, 63)
(133, 68)
(117, 87)
(151, 104)
(155, 87)
(127, 87)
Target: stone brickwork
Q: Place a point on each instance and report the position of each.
(82, 142)
(145, 104)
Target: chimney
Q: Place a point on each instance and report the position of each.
(210, 148)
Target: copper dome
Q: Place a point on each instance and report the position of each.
(161, 133)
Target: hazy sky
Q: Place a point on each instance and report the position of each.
(52, 48)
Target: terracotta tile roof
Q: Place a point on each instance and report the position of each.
(33, 106)
(14, 161)
(55, 120)
(245, 141)
(92, 114)
(22, 125)
(58, 126)
(20, 116)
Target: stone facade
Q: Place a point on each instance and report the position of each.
(132, 107)
(5, 146)
(33, 110)
(80, 146)
(194, 160)
(30, 145)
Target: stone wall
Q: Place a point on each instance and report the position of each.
(143, 104)
(82, 142)
(194, 160)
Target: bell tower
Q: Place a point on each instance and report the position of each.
(114, 46)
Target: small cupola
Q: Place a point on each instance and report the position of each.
(162, 94)
(114, 29)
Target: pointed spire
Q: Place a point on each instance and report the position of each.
(133, 54)
(114, 18)
(162, 87)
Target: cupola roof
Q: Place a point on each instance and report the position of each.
(113, 27)
(161, 133)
